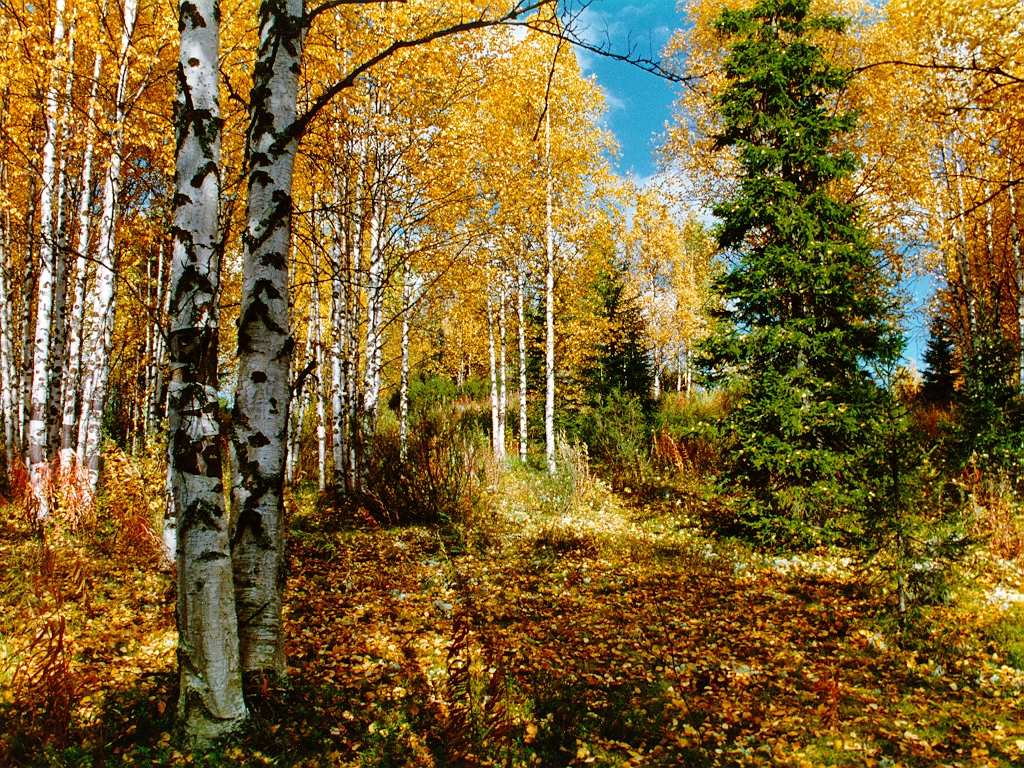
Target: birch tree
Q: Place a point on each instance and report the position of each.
(549, 301)
(73, 385)
(40, 390)
(104, 297)
(260, 415)
(210, 701)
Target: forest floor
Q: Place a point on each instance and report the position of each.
(582, 631)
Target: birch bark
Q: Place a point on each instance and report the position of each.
(352, 359)
(374, 319)
(6, 369)
(318, 393)
(521, 332)
(40, 390)
(403, 388)
(58, 321)
(73, 389)
(502, 373)
(101, 338)
(8, 372)
(210, 702)
(1018, 261)
(339, 344)
(492, 370)
(297, 415)
(155, 365)
(27, 327)
(265, 343)
(549, 307)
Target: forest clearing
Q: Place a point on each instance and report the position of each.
(575, 627)
(512, 383)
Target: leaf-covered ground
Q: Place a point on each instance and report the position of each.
(556, 632)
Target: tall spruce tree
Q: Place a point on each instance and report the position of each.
(806, 309)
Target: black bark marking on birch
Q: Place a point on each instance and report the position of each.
(199, 514)
(196, 347)
(189, 120)
(278, 217)
(208, 557)
(209, 167)
(255, 613)
(190, 16)
(194, 280)
(258, 377)
(249, 519)
(258, 440)
(286, 349)
(200, 459)
(257, 176)
(258, 312)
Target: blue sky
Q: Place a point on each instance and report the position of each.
(640, 104)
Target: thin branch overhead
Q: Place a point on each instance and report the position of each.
(515, 16)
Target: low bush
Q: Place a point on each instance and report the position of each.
(1006, 635)
(132, 501)
(998, 518)
(439, 480)
(617, 435)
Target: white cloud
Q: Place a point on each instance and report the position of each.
(613, 102)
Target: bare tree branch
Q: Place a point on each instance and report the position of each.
(330, 5)
(995, 71)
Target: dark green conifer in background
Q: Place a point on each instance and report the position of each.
(939, 378)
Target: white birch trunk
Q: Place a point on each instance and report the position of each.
(101, 338)
(492, 370)
(57, 339)
(549, 308)
(149, 349)
(8, 373)
(403, 388)
(502, 374)
(521, 332)
(318, 351)
(58, 323)
(297, 415)
(352, 359)
(39, 399)
(27, 327)
(155, 383)
(210, 702)
(1018, 262)
(374, 322)
(260, 417)
(7, 406)
(339, 344)
(73, 389)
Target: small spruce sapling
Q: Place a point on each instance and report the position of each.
(915, 526)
